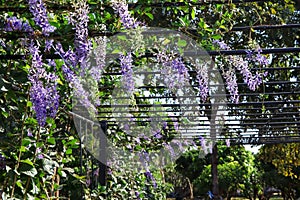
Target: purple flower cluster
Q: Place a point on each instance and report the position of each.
(174, 71)
(80, 20)
(179, 67)
(151, 178)
(222, 45)
(79, 91)
(43, 92)
(127, 73)
(238, 63)
(145, 159)
(121, 8)
(38, 9)
(253, 81)
(256, 56)
(231, 84)
(15, 24)
(202, 76)
(100, 56)
(171, 150)
(69, 56)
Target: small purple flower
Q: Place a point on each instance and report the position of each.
(249, 54)
(157, 134)
(227, 142)
(40, 156)
(29, 133)
(96, 172)
(164, 125)
(2, 43)
(88, 182)
(48, 45)
(137, 194)
(202, 142)
(262, 60)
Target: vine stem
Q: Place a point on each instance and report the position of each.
(34, 159)
(20, 152)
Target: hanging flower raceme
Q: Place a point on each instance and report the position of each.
(121, 8)
(231, 84)
(38, 9)
(202, 77)
(43, 92)
(242, 65)
(175, 73)
(72, 78)
(127, 73)
(80, 20)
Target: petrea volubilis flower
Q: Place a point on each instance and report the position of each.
(238, 63)
(38, 9)
(231, 85)
(175, 73)
(127, 73)
(43, 92)
(15, 24)
(121, 8)
(202, 76)
(80, 20)
(227, 142)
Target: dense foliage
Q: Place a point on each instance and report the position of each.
(39, 143)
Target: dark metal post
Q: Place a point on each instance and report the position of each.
(103, 154)
(214, 172)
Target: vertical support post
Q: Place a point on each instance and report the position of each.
(213, 133)
(80, 144)
(103, 154)
(214, 171)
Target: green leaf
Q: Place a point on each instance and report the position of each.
(122, 37)
(181, 43)
(19, 184)
(27, 161)
(26, 141)
(193, 14)
(51, 140)
(5, 114)
(216, 37)
(149, 15)
(69, 151)
(115, 51)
